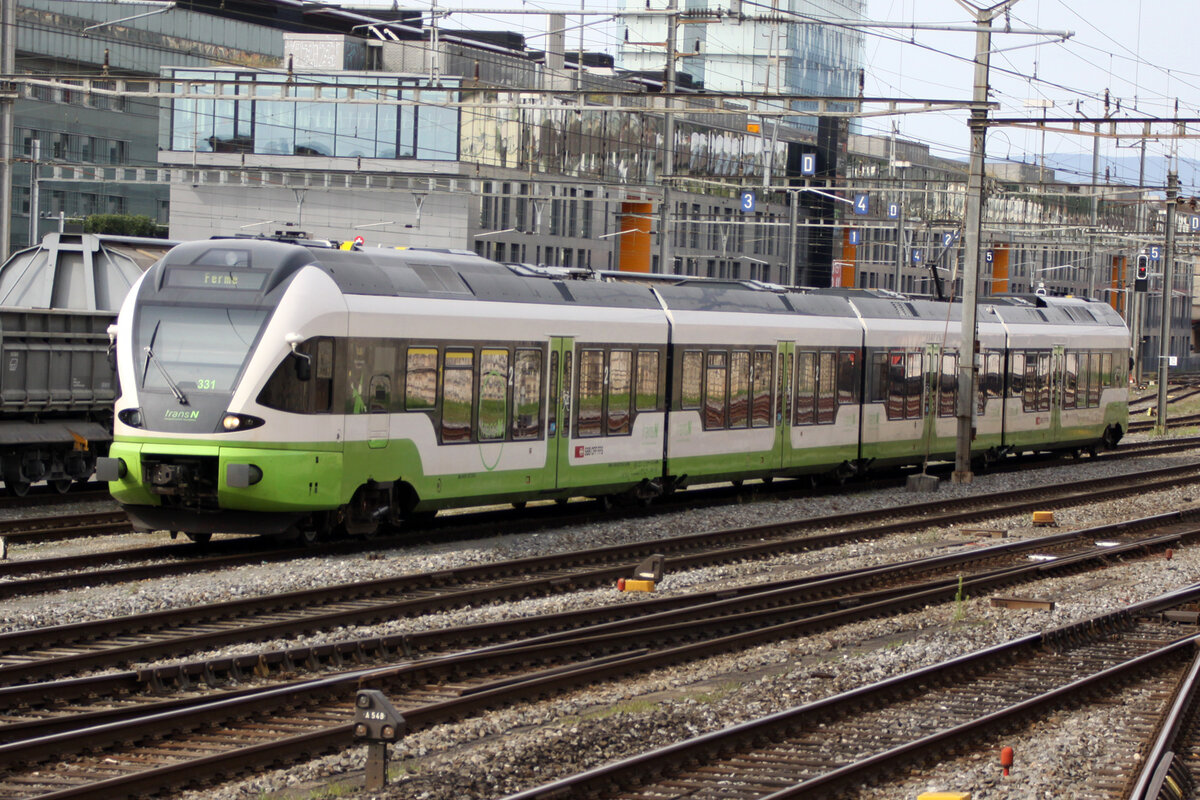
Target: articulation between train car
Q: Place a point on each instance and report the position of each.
(274, 387)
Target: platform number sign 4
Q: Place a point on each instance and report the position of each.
(747, 202)
(947, 239)
(1155, 253)
(862, 204)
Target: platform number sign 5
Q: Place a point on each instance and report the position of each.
(747, 202)
(989, 256)
(862, 204)
(1155, 253)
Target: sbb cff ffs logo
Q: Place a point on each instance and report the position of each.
(1141, 279)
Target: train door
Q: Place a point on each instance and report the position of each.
(558, 404)
(785, 354)
(379, 398)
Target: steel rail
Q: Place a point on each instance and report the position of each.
(338, 689)
(504, 581)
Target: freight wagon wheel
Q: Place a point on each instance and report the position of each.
(62, 485)
(17, 488)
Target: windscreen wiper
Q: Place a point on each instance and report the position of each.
(175, 390)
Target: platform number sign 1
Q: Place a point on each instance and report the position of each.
(1155, 253)
(747, 202)
(862, 204)
(855, 236)
(808, 163)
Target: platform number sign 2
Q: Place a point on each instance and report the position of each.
(747, 202)
(862, 204)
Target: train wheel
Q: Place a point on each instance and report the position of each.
(62, 485)
(200, 538)
(17, 488)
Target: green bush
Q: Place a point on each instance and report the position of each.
(123, 225)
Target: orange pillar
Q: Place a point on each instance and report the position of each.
(1116, 298)
(633, 248)
(845, 267)
(1000, 257)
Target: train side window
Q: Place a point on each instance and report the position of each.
(1070, 379)
(877, 378)
(915, 383)
(1043, 377)
(493, 395)
(553, 399)
(1106, 372)
(1081, 384)
(827, 388)
(1016, 374)
(897, 388)
(590, 403)
(715, 391)
(283, 391)
(421, 384)
(1094, 380)
(993, 384)
(647, 381)
(527, 394)
(760, 415)
(948, 385)
(691, 395)
(806, 388)
(620, 382)
(458, 384)
(781, 405)
(1029, 400)
(847, 378)
(739, 389)
(567, 382)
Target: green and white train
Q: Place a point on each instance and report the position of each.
(273, 386)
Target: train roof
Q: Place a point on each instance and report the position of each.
(462, 275)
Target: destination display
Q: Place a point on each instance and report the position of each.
(241, 279)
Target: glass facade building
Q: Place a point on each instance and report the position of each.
(803, 48)
(358, 126)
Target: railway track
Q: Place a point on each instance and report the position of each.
(226, 731)
(923, 715)
(63, 572)
(33, 654)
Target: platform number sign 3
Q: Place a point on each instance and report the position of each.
(862, 204)
(747, 202)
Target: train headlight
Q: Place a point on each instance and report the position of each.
(131, 417)
(239, 422)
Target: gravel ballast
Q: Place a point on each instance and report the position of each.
(516, 748)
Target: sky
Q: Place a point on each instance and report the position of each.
(1140, 51)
